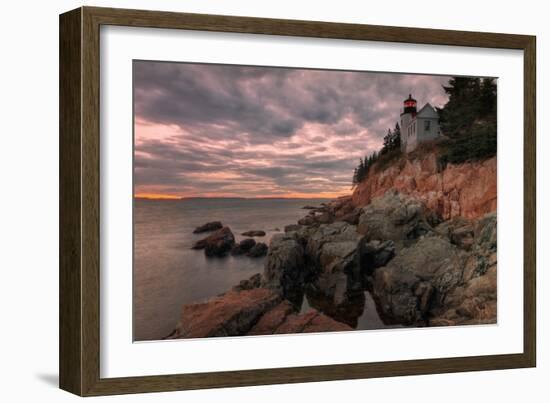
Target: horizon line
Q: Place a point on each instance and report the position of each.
(170, 197)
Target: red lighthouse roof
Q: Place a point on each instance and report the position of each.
(410, 101)
(409, 105)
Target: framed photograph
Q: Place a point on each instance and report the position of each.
(249, 201)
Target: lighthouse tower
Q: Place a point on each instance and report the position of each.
(418, 127)
(408, 115)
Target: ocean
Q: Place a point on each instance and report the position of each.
(168, 273)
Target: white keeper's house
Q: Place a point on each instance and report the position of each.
(417, 127)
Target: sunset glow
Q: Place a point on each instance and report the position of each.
(233, 131)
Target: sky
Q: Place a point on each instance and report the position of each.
(204, 130)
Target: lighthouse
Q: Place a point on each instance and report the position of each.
(417, 126)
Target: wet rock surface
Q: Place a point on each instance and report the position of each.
(257, 311)
(231, 314)
(218, 244)
(222, 241)
(243, 247)
(258, 250)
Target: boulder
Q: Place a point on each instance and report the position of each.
(255, 281)
(473, 303)
(333, 251)
(281, 319)
(394, 292)
(209, 226)
(217, 244)
(324, 218)
(474, 300)
(307, 220)
(459, 230)
(417, 280)
(254, 233)
(485, 232)
(285, 269)
(335, 232)
(272, 319)
(463, 237)
(231, 314)
(324, 323)
(242, 247)
(258, 250)
(310, 322)
(395, 217)
(375, 254)
(344, 210)
(351, 217)
(292, 227)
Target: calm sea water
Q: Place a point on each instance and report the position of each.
(168, 273)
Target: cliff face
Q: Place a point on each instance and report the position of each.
(467, 190)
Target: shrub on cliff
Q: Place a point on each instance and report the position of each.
(478, 144)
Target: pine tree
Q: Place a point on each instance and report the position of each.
(387, 144)
(488, 97)
(396, 143)
(354, 178)
(469, 119)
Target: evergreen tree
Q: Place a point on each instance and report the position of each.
(387, 144)
(488, 97)
(470, 100)
(392, 140)
(360, 173)
(469, 119)
(354, 178)
(396, 143)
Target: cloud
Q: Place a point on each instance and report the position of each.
(260, 131)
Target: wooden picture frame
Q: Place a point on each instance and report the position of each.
(80, 199)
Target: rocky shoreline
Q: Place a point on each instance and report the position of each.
(419, 269)
(222, 241)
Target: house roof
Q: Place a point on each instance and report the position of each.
(427, 111)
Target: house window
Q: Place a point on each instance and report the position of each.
(427, 125)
